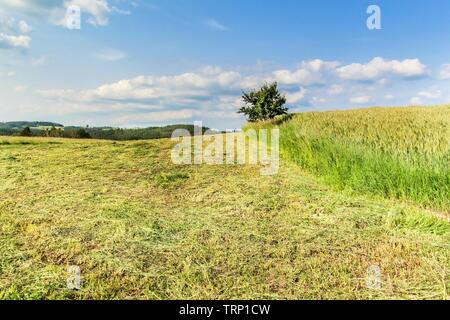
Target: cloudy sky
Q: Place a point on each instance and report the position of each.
(154, 62)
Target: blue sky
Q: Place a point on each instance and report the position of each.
(140, 63)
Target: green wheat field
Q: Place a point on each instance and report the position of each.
(355, 189)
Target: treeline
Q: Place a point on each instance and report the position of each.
(6, 132)
(104, 133)
(19, 125)
(54, 132)
(139, 134)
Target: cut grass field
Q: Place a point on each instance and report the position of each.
(140, 227)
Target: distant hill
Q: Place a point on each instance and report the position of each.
(106, 133)
(19, 125)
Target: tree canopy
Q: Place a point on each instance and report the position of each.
(264, 104)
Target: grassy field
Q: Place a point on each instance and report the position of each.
(401, 153)
(140, 227)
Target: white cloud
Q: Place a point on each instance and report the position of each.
(215, 92)
(57, 94)
(297, 96)
(335, 90)
(20, 89)
(308, 73)
(158, 116)
(423, 96)
(6, 23)
(300, 76)
(24, 27)
(8, 74)
(13, 34)
(360, 99)
(97, 11)
(111, 55)
(39, 61)
(416, 101)
(11, 41)
(30, 7)
(216, 25)
(210, 93)
(184, 86)
(319, 65)
(378, 68)
(316, 100)
(164, 116)
(209, 90)
(431, 94)
(444, 73)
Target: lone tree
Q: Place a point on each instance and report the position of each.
(26, 132)
(264, 104)
(83, 134)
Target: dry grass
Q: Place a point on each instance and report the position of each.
(142, 228)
